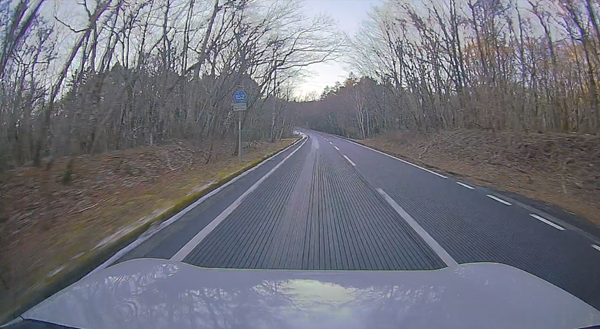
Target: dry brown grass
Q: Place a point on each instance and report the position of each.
(48, 223)
(557, 168)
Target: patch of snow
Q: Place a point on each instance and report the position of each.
(126, 230)
(78, 255)
(200, 188)
(55, 271)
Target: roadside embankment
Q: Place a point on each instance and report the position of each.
(59, 221)
(561, 169)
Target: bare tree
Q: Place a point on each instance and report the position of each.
(145, 72)
(497, 65)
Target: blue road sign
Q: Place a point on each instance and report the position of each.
(239, 97)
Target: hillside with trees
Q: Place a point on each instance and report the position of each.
(86, 77)
(527, 66)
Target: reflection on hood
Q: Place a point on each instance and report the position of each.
(164, 294)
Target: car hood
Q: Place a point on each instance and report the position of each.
(148, 293)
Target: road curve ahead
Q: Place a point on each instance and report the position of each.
(327, 203)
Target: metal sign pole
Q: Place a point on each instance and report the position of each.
(240, 135)
(239, 105)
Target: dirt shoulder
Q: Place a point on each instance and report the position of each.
(557, 168)
(53, 216)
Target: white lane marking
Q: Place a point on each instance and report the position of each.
(195, 241)
(393, 157)
(352, 163)
(596, 247)
(330, 142)
(544, 220)
(564, 224)
(450, 262)
(335, 147)
(465, 185)
(499, 200)
(174, 218)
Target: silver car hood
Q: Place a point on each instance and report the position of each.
(147, 293)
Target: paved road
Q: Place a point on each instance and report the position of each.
(328, 203)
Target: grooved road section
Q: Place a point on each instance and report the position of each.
(336, 205)
(315, 212)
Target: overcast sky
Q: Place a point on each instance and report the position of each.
(348, 14)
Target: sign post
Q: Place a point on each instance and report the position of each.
(239, 105)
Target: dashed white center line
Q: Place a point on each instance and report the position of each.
(544, 220)
(465, 185)
(499, 200)
(330, 142)
(335, 147)
(596, 247)
(352, 163)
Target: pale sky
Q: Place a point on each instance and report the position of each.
(348, 14)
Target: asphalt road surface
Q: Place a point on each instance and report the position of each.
(327, 203)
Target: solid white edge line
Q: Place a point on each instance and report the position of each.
(335, 147)
(544, 220)
(352, 163)
(180, 214)
(465, 185)
(195, 241)
(596, 247)
(441, 252)
(499, 200)
(401, 160)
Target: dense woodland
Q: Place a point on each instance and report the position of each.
(522, 65)
(90, 76)
(85, 77)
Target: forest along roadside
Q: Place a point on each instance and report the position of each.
(53, 215)
(560, 169)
